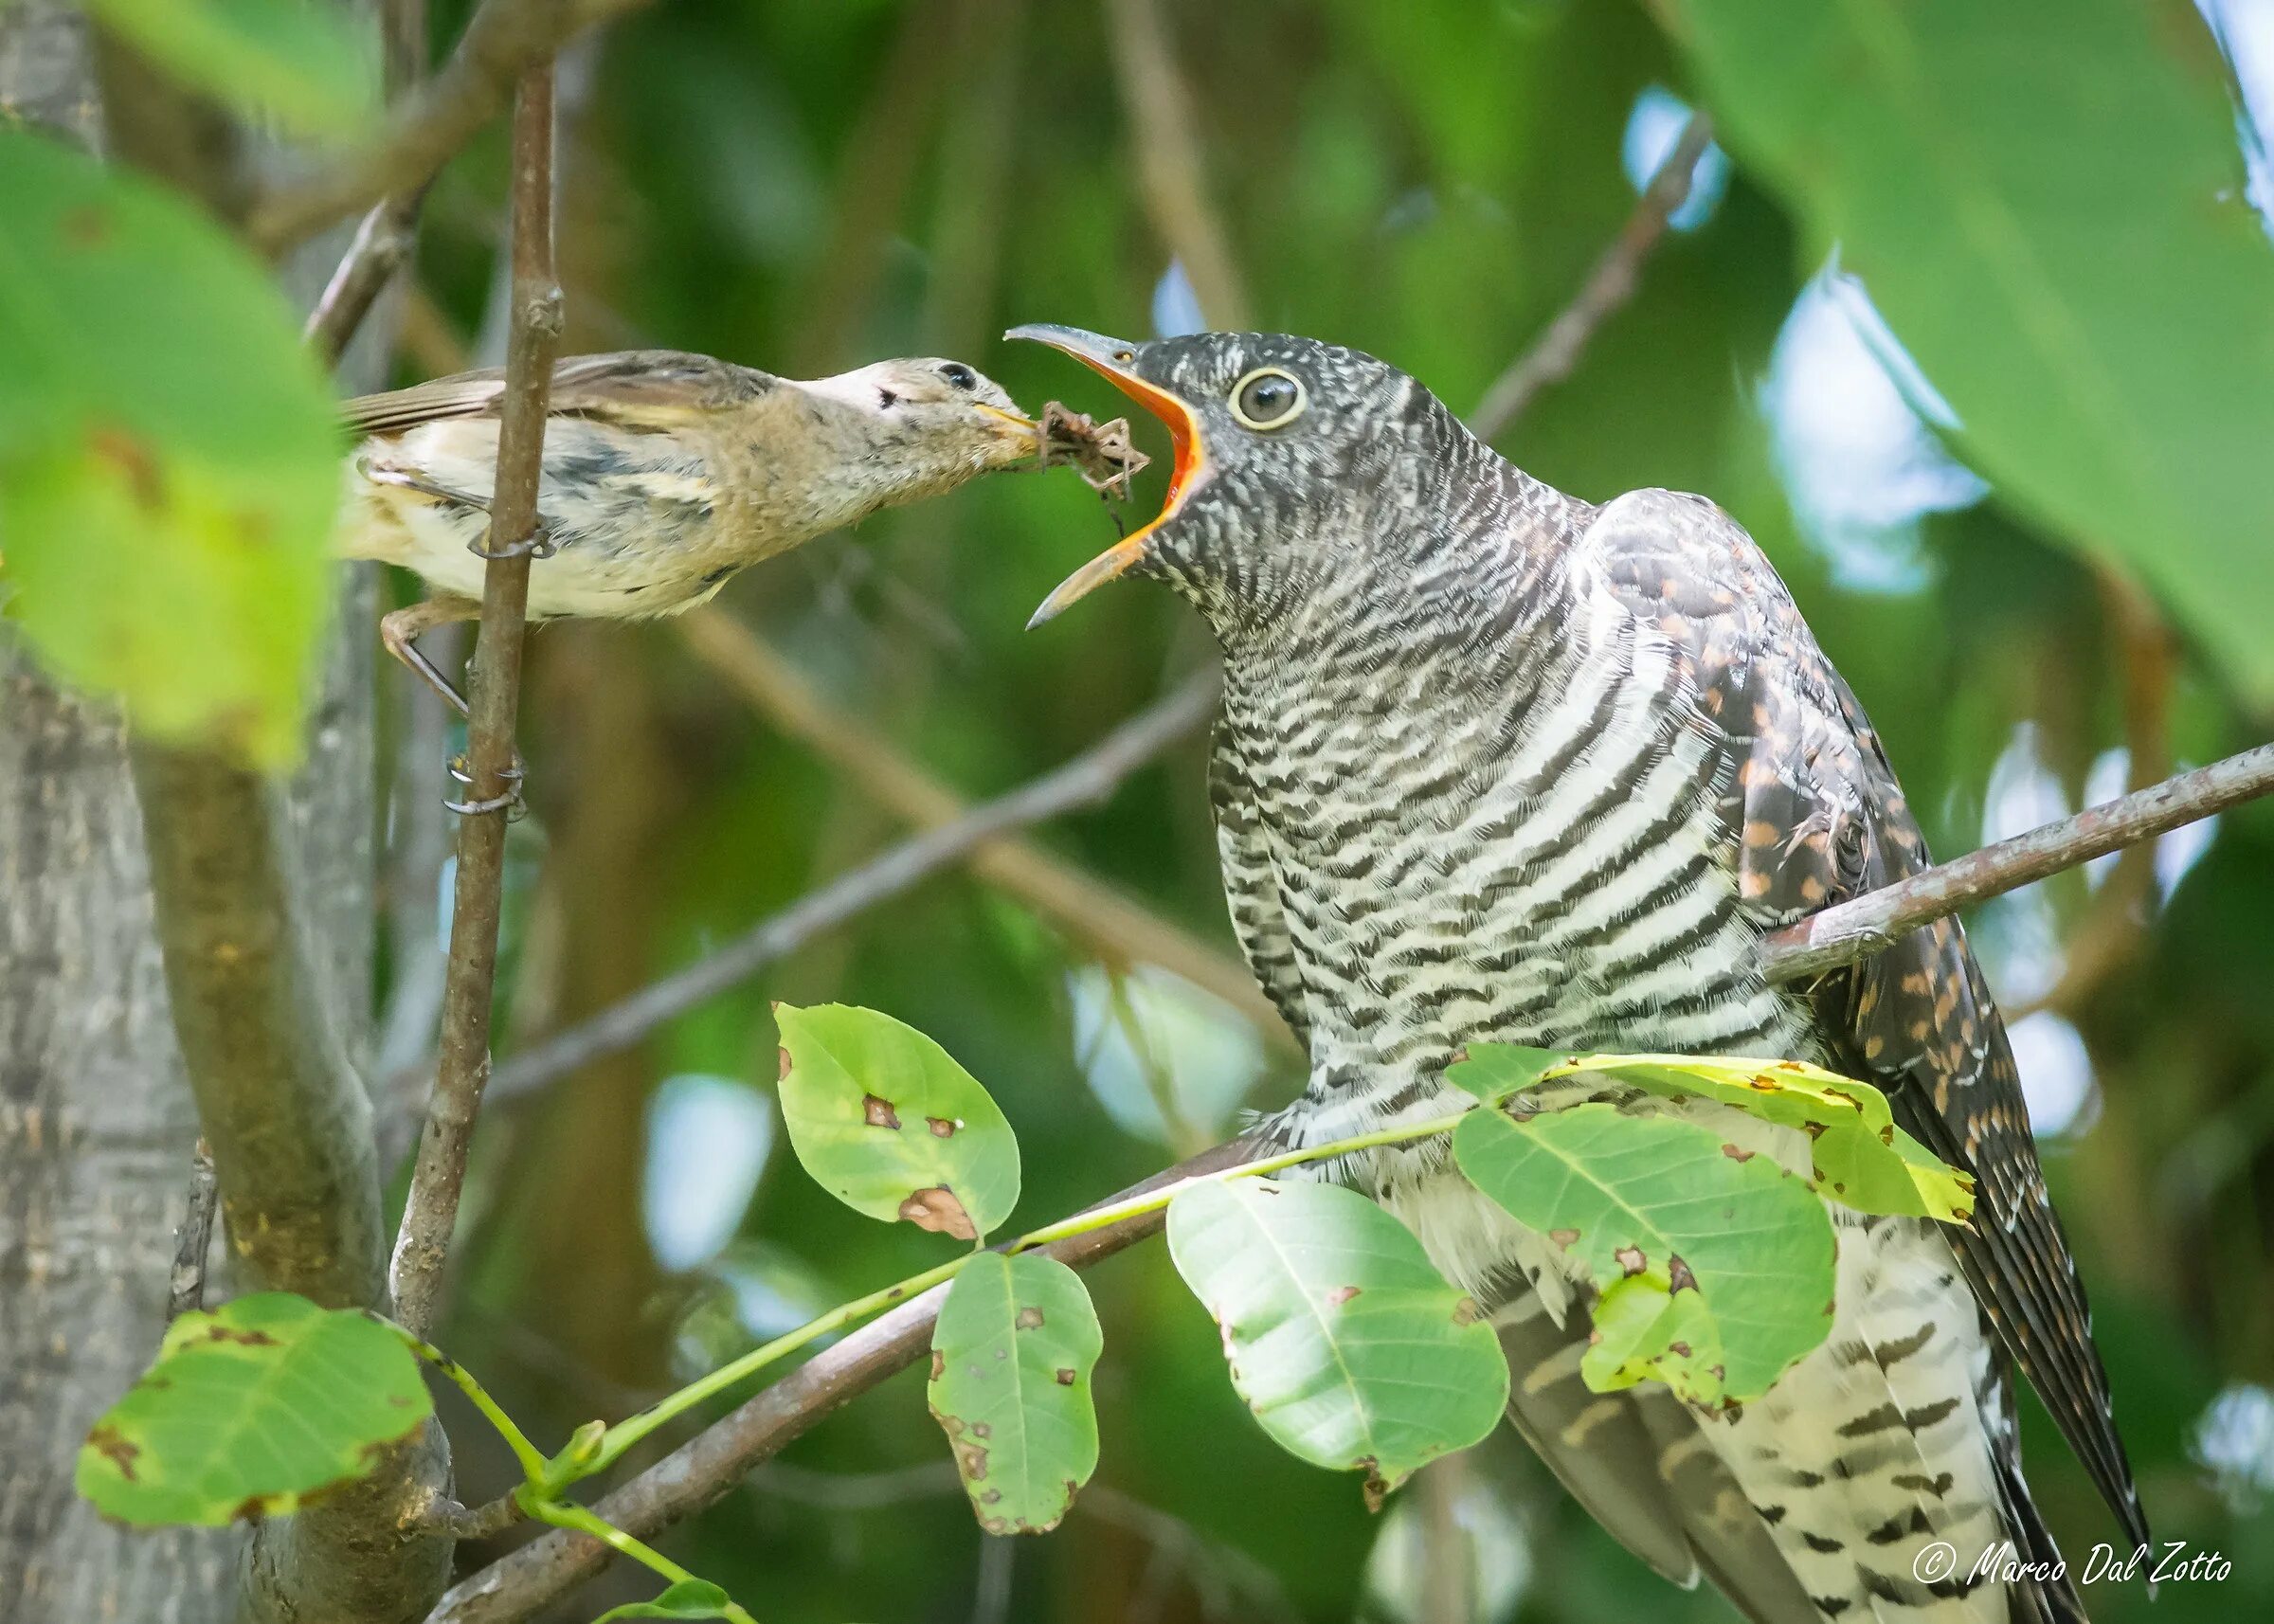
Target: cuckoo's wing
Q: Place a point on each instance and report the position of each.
(1813, 814)
(650, 389)
(1251, 885)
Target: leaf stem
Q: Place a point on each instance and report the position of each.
(532, 1458)
(566, 1514)
(627, 1433)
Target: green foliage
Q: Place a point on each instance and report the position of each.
(304, 60)
(2057, 232)
(885, 1120)
(1673, 1202)
(687, 1599)
(167, 465)
(1011, 1358)
(1861, 1159)
(251, 1409)
(1346, 1344)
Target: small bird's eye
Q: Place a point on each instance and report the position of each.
(959, 375)
(1268, 398)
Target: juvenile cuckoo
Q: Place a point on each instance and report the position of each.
(1498, 763)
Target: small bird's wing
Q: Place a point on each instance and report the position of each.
(1813, 815)
(636, 389)
(1251, 885)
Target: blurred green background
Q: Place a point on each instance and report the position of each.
(808, 186)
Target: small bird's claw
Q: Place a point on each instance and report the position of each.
(510, 802)
(538, 543)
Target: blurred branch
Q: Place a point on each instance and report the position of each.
(505, 40)
(390, 233)
(880, 166)
(1608, 287)
(1855, 930)
(1117, 929)
(431, 1209)
(193, 1241)
(2116, 924)
(702, 1471)
(1164, 125)
(1084, 781)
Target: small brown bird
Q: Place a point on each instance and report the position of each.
(664, 474)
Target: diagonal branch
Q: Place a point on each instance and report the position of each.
(1169, 171)
(1608, 287)
(431, 1210)
(505, 40)
(1084, 781)
(1855, 930)
(1119, 929)
(700, 1471)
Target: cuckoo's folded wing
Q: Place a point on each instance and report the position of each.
(637, 389)
(1813, 814)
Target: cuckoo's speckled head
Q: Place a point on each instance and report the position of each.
(1282, 445)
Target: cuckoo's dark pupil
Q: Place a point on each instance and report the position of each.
(959, 375)
(1264, 401)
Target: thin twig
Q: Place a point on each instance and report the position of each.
(708, 1466)
(1123, 932)
(1855, 929)
(193, 1241)
(382, 244)
(1609, 286)
(505, 40)
(1164, 125)
(1084, 781)
(431, 1210)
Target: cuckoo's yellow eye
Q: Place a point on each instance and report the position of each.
(1268, 398)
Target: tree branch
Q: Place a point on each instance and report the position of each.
(1169, 171)
(193, 1241)
(703, 1470)
(1609, 286)
(1084, 781)
(505, 40)
(1118, 929)
(1857, 928)
(431, 1210)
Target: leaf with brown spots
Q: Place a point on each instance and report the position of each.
(1012, 1353)
(851, 1077)
(251, 1410)
(168, 527)
(1754, 1244)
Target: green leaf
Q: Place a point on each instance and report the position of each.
(1492, 1072)
(1646, 1331)
(251, 1409)
(1862, 1160)
(307, 63)
(2057, 231)
(169, 467)
(1345, 1341)
(887, 1123)
(1639, 1196)
(1011, 1358)
(688, 1598)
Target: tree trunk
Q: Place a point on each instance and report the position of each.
(96, 1119)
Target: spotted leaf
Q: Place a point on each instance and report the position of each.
(885, 1120)
(1011, 1359)
(251, 1409)
(1631, 1196)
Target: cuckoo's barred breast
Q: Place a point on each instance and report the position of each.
(1495, 764)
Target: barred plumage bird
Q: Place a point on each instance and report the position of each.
(1498, 763)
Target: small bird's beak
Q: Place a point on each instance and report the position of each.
(1113, 359)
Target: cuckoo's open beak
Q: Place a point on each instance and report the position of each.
(1112, 358)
